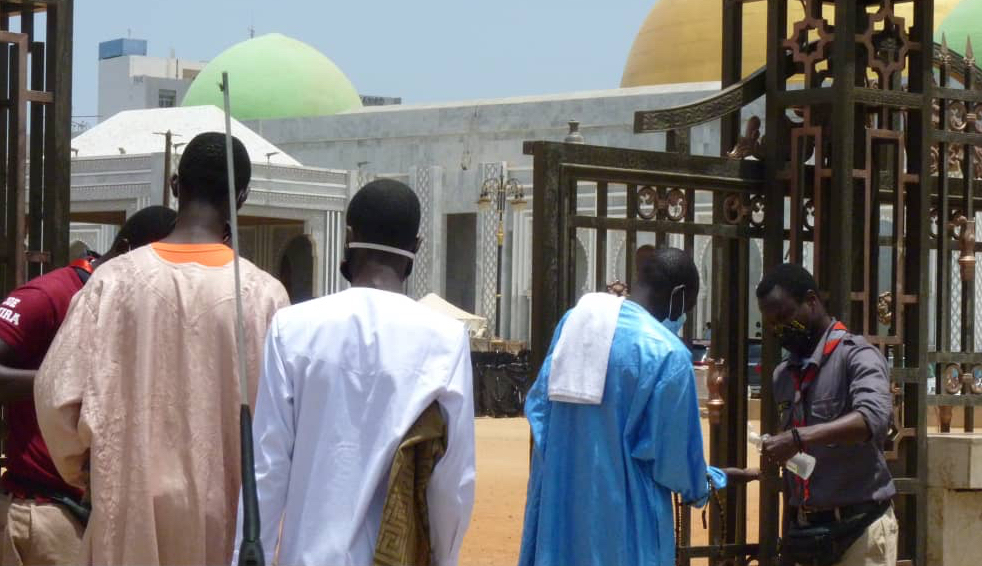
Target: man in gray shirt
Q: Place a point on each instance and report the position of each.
(834, 402)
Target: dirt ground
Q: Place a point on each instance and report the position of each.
(502, 474)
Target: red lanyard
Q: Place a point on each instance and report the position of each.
(831, 343)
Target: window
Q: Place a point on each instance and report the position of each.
(166, 98)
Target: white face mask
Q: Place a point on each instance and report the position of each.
(674, 326)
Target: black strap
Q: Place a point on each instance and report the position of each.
(83, 275)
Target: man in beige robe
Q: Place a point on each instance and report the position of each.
(138, 398)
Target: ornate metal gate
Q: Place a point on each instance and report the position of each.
(867, 174)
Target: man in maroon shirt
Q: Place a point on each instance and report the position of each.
(41, 516)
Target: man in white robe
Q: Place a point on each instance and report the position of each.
(344, 379)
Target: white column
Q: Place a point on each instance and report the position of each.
(426, 182)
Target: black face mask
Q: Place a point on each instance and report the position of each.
(795, 338)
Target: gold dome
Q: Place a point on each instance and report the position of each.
(680, 40)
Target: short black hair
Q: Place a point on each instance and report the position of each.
(385, 212)
(666, 268)
(794, 279)
(203, 171)
(149, 225)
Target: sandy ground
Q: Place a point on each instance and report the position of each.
(502, 474)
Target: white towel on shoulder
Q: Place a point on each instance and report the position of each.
(579, 361)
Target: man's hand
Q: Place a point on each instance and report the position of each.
(779, 448)
(741, 475)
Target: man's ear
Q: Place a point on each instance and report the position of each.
(122, 246)
(243, 197)
(175, 187)
(418, 245)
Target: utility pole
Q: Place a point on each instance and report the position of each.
(168, 135)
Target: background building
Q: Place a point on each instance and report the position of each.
(299, 101)
(130, 80)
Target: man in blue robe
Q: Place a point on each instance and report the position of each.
(603, 469)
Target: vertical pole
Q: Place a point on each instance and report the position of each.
(251, 550)
(167, 167)
(500, 203)
(17, 156)
(775, 141)
(58, 130)
(738, 262)
(968, 285)
(917, 269)
(35, 150)
(839, 281)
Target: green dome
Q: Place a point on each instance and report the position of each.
(274, 76)
(963, 22)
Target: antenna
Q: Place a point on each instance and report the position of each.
(251, 550)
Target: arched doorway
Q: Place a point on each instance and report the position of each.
(297, 269)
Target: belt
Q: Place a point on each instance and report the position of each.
(835, 514)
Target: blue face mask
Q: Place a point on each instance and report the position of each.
(674, 326)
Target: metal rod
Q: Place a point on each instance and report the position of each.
(250, 552)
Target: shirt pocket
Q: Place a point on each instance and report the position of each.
(827, 409)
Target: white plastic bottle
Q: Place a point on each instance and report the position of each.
(801, 464)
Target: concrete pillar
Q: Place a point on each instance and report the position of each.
(954, 499)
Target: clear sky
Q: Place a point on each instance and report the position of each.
(421, 50)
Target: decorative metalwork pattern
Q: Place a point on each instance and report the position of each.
(738, 208)
(808, 214)
(806, 53)
(974, 380)
(661, 203)
(887, 43)
(978, 302)
(420, 283)
(884, 308)
(750, 143)
(488, 242)
(955, 316)
(727, 101)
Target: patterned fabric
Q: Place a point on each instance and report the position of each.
(404, 534)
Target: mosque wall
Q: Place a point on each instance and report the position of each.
(461, 145)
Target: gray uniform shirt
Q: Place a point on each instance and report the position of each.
(853, 377)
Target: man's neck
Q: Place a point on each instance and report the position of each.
(198, 224)
(378, 276)
(821, 325)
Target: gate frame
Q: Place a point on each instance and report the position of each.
(557, 169)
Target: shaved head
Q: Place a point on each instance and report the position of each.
(660, 271)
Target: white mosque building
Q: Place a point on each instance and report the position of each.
(313, 143)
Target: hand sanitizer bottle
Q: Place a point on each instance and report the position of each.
(801, 464)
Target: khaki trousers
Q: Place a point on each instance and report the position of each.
(877, 546)
(34, 533)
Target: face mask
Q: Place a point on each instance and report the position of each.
(795, 338)
(345, 266)
(674, 326)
